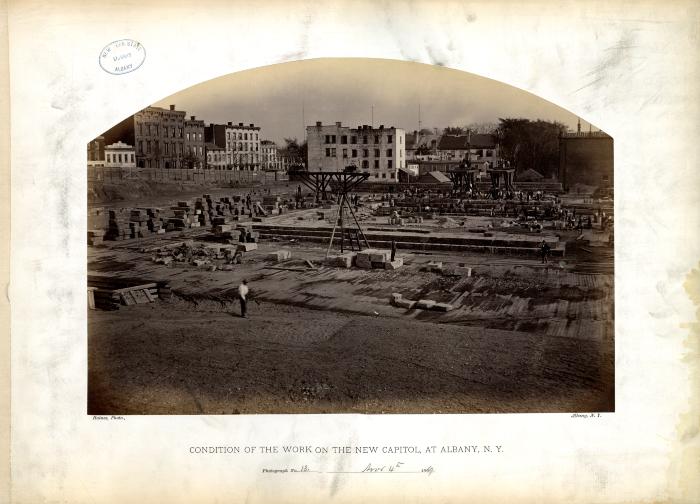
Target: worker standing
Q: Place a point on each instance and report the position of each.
(243, 297)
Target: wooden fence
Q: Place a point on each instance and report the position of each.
(114, 174)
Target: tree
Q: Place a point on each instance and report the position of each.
(189, 160)
(486, 128)
(296, 152)
(530, 144)
(453, 130)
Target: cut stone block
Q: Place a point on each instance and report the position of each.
(247, 247)
(280, 255)
(405, 303)
(395, 296)
(425, 304)
(443, 307)
(379, 255)
(340, 261)
(395, 264)
(221, 228)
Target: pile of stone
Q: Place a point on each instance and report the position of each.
(396, 219)
(212, 256)
(377, 259)
(241, 234)
(95, 238)
(422, 304)
(365, 259)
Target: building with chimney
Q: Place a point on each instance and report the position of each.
(156, 133)
(586, 158)
(481, 148)
(241, 143)
(381, 151)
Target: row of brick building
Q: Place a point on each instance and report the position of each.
(166, 138)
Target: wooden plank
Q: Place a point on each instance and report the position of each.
(139, 296)
(137, 288)
(148, 295)
(127, 298)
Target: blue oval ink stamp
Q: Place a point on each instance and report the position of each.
(122, 56)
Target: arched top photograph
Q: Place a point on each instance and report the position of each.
(356, 236)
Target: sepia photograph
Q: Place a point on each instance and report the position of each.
(406, 251)
(350, 236)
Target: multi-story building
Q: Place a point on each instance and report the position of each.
(268, 156)
(481, 148)
(156, 133)
(120, 155)
(241, 143)
(377, 151)
(96, 152)
(215, 156)
(194, 143)
(586, 158)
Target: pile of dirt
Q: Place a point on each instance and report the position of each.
(106, 192)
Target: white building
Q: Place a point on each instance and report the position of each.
(243, 146)
(120, 155)
(377, 151)
(269, 160)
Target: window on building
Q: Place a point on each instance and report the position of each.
(383, 175)
(400, 140)
(344, 139)
(376, 153)
(365, 163)
(328, 152)
(390, 163)
(364, 139)
(390, 138)
(148, 147)
(345, 153)
(109, 158)
(140, 146)
(245, 136)
(256, 137)
(240, 145)
(131, 156)
(393, 175)
(333, 152)
(365, 152)
(140, 129)
(179, 131)
(333, 139)
(354, 153)
(353, 139)
(166, 148)
(187, 135)
(376, 163)
(376, 139)
(388, 153)
(199, 136)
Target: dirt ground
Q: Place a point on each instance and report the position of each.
(523, 337)
(178, 359)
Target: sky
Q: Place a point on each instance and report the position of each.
(282, 98)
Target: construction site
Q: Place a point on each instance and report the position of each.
(450, 299)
